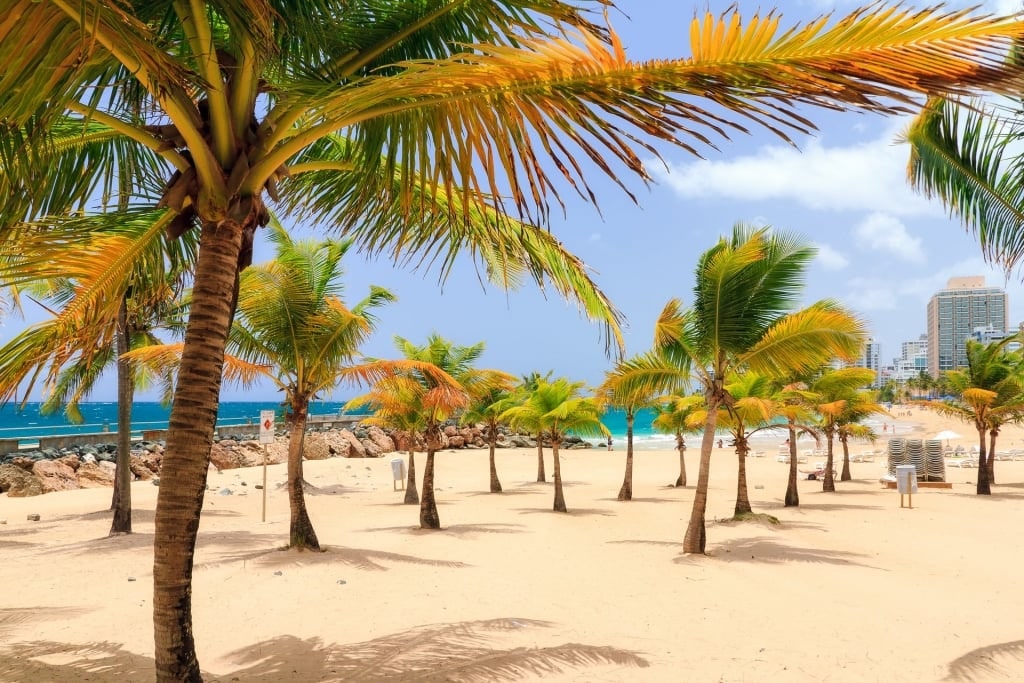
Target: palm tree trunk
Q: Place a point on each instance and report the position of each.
(742, 497)
(792, 494)
(695, 538)
(121, 503)
(540, 460)
(429, 518)
(559, 505)
(992, 458)
(626, 491)
(828, 482)
(846, 476)
(187, 456)
(984, 487)
(412, 496)
(301, 535)
(681, 445)
(495, 484)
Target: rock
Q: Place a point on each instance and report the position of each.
(225, 492)
(26, 462)
(156, 481)
(88, 457)
(18, 483)
(34, 517)
(383, 442)
(54, 475)
(93, 475)
(3, 521)
(342, 582)
(224, 456)
(316, 447)
(456, 442)
(278, 573)
(131, 578)
(357, 450)
(71, 461)
(451, 430)
(372, 449)
(259, 486)
(139, 468)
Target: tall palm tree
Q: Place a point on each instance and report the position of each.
(487, 409)
(796, 405)
(674, 415)
(617, 392)
(292, 319)
(199, 111)
(69, 354)
(742, 317)
(833, 391)
(559, 408)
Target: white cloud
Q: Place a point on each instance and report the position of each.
(880, 233)
(870, 294)
(860, 176)
(829, 258)
(595, 237)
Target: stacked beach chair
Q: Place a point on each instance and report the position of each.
(925, 456)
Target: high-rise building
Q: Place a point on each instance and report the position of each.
(913, 359)
(955, 313)
(871, 358)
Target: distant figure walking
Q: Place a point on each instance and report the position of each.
(609, 443)
(719, 443)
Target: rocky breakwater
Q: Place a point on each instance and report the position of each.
(35, 472)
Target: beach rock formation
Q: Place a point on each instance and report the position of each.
(55, 475)
(93, 475)
(18, 482)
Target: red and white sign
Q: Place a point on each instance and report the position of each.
(266, 426)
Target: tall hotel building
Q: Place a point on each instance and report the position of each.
(953, 315)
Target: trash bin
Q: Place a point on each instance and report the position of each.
(398, 473)
(906, 482)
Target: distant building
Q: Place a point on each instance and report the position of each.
(955, 313)
(871, 358)
(913, 359)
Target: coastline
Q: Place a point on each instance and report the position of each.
(848, 586)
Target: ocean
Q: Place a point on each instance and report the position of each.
(28, 423)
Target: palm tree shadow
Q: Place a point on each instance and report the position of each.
(573, 512)
(636, 499)
(640, 541)
(359, 558)
(461, 651)
(772, 552)
(982, 663)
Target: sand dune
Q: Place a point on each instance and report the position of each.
(848, 587)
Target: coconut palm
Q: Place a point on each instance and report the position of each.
(559, 408)
(796, 405)
(379, 118)
(617, 392)
(440, 400)
(674, 415)
(487, 409)
(69, 354)
(292, 318)
(527, 385)
(988, 390)
(859, 407)
(833, 391)
(753, 409)
(742, 317)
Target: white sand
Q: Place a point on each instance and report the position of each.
(849, 587)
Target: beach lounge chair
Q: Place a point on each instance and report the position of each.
(964, 462)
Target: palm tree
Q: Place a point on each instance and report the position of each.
(674, 414)
(395, 403)
(858, 408)
(527, 385)
(292, 318)
(796, 406)
(742, 318)
(439, 400)
(71, 355)
(488, 408)
(987, 391)
(616, 391)
(559, 409)
(833, 391)
(346, 114)
(752, 409)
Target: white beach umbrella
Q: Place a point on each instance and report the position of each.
(948, 434)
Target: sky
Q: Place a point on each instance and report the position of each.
(882, 249)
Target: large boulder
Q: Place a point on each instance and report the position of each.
(92, 475)
(372, 449)
(357, 450)
(456, 442)
(225, 456)
(70, 460)
(54, 475)
(316, 446)
(383, 442)
(140, 468)
(17, 482)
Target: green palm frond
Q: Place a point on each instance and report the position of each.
(966, 154)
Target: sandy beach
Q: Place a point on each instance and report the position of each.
(847, 587)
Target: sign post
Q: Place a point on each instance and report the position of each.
(266, 437)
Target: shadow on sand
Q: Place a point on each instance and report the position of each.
(772, 552)
(461, 651)
(987, 663)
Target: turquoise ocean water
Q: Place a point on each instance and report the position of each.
(28, 423)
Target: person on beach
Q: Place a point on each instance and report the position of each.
(609, 443)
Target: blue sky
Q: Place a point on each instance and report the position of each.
(883, 251)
